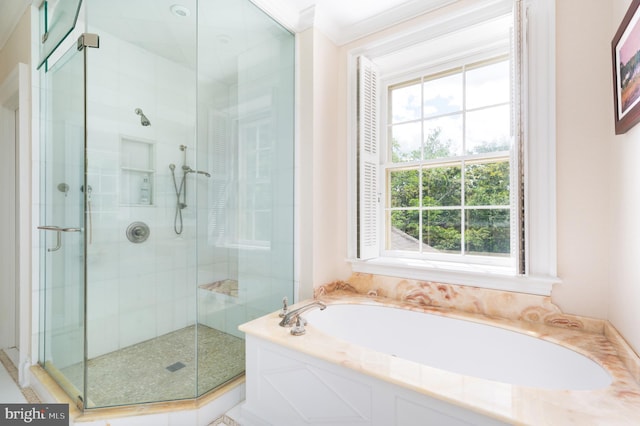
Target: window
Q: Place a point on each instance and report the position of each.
(450, 116)
(254, 185)
(447, 164)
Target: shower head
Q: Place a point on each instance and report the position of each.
(172, 166)
(143, 118)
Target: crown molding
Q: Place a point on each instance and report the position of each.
(340, 32)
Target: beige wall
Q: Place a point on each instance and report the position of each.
(321, 190)
(584, 152)
(18, 47)
(330, 168)
(624, 277)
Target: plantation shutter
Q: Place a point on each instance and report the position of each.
(367, 159)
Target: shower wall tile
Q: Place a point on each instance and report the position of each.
(136, 63)
(106, 91)
(235, 316)
(137, 291)
(102, 256)
(259, 308)
(211, 309)
(181, 311)
(175, 109)
(262, 305)
(67, 345)
(137, 326)
(102, 297)
(105, 237)
(165, 318)
(133, 266)
(136, 92)
(102, 335)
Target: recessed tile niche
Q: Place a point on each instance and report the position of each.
(137, 172)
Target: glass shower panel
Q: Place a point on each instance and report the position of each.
(62, 222)
(141, 110)
(245, 210)
(184, 214)
(57, 19)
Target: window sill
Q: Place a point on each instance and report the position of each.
(491, 277)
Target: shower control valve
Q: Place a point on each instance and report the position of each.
(138, 232)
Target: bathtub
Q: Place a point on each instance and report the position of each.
(379, 365)
(462, 347)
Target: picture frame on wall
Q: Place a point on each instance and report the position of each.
(625, 52)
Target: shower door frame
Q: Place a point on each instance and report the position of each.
(48, 245)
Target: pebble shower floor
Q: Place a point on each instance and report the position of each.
(162, 368)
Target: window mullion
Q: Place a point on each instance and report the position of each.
(421, 211)
(463, 175)
(463, 225)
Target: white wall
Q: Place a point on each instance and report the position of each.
(624, 277)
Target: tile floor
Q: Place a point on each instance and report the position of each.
(9, 391)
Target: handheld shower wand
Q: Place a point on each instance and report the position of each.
(181, 189)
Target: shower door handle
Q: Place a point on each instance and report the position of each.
(58, 231)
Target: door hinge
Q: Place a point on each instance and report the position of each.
(88, 40)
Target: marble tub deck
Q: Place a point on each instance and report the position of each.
(618, 404)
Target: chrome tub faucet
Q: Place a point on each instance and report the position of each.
(291, 318)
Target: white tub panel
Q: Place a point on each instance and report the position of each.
(285, 387)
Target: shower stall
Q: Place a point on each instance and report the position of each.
(166, 192)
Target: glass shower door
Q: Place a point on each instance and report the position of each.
(61, 223)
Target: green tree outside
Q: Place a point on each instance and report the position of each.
(487, 230)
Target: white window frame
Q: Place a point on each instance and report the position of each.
(539, 162)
